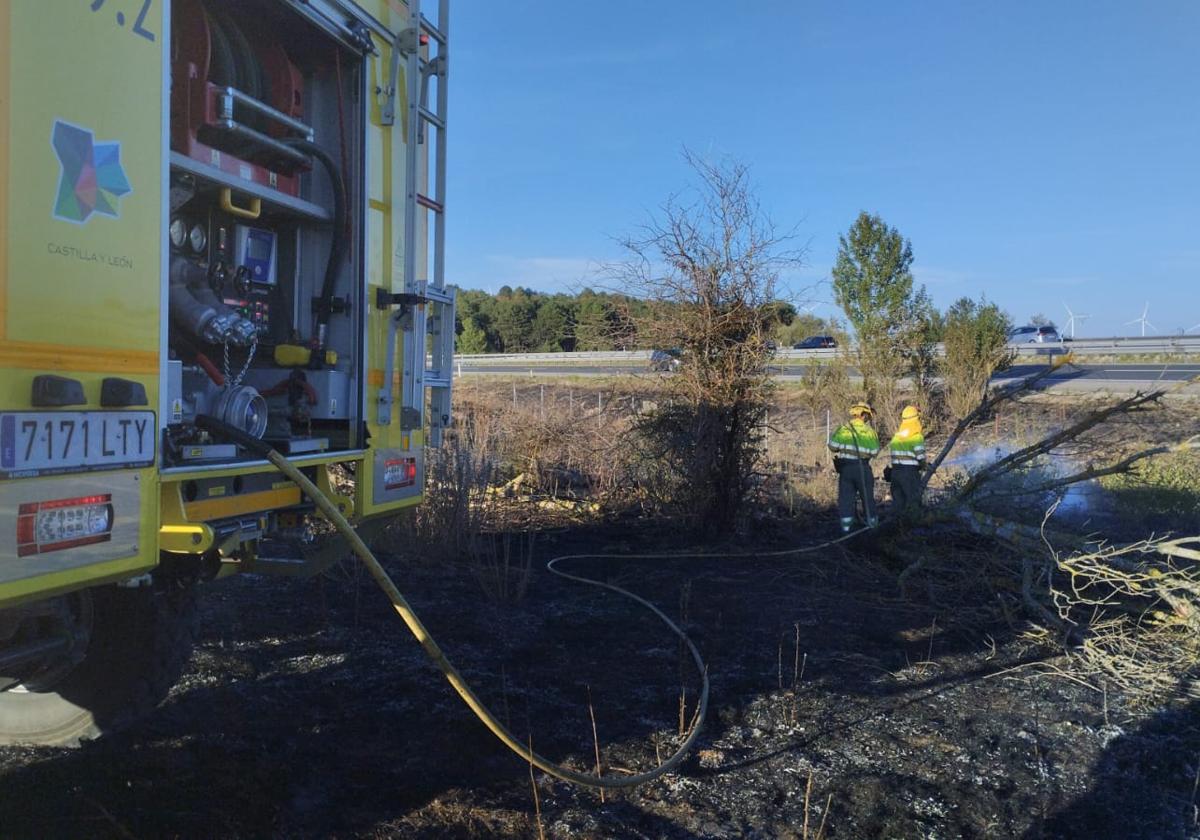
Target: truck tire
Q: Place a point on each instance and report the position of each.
(138, 642)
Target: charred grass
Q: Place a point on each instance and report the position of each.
(847, 700)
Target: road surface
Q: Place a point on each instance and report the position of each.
(1128, 377)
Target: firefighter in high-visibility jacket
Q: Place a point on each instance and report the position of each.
(908, 459)
(853, 445)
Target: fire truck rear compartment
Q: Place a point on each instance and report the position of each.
(265, 290)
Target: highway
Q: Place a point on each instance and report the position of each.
(1135, 372)
(1076, 378)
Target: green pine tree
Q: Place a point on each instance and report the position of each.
(472, 339)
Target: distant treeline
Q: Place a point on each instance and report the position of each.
(518, 320)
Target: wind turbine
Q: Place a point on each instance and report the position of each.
(1145, 323)
(1072, 318)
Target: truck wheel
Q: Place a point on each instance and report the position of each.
(90, 662)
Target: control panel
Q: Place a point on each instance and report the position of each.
(255, 308)
(242, 262)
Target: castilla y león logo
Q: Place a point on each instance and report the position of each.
(92, 179)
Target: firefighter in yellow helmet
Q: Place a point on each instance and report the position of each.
(907, 449)
(853, 445)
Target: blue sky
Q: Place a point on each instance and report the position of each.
(1036, 152)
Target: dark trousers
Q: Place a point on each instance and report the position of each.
(855, 479)
(906, 487)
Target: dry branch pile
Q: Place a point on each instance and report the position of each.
(1136, 612)
(1127, 617)
(1129, 614)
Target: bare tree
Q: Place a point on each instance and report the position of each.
(709, 267)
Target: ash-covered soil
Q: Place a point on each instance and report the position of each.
(308, 710)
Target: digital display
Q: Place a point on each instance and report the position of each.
(255, 251)
(258, 248)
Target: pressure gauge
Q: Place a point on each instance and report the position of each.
(178, 231)
(198, 238)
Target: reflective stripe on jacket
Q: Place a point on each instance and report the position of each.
(908, 444)
(855, 439)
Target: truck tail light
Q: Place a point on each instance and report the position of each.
(63, 523)
(399, 472)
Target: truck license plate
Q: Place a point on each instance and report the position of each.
(36, 443)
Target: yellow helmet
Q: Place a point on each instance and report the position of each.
(910, 412)
(861, 410)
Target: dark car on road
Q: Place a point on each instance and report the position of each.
(816, 342)
(665, 360)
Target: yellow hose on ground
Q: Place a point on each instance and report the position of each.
(405, 611)
(434, 652)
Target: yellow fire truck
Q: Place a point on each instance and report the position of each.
(218, 219)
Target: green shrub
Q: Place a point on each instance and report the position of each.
(1161, 494)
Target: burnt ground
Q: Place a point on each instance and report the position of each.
(309, 711)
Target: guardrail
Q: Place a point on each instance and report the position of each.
(1131, 346)
(1177, 345)
(598, 356)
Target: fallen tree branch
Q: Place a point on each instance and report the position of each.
(1051, 442)
(1175, 548)
(1124, 465)
(989, 402)
(1129, 614)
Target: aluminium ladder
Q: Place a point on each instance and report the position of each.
(431, 320)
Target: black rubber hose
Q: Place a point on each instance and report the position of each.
(337, 251)
(219, 427)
